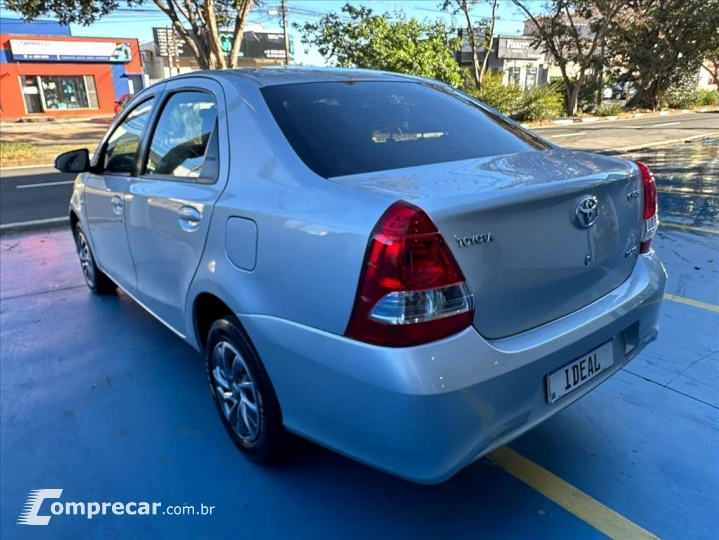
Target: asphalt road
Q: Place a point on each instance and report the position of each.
(32, 196)
(623, 134)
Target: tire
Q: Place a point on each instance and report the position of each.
(96, 279)
(254, 422)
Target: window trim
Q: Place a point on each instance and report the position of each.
(103, 153)
(148, 141)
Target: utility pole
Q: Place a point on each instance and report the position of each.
(284, 27)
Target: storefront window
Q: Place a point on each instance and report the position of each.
(59, 93)
(513, 75)
(530, 80)
(31, 94)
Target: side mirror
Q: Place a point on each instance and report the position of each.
(74, 161)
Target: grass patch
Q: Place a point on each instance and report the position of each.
(609, 109)
(17, 151)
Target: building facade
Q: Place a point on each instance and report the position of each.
(46, 72)
(520, 62)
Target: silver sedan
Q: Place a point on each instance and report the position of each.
(375, 262)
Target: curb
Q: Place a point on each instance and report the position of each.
(670, 142)
(37, 225)
(635, 116)
(22, 167)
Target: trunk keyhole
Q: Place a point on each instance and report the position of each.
(587, 260)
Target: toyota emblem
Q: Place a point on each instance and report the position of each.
(587, 212)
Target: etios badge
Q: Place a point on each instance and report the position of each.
(587, 212)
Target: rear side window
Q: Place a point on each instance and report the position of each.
(184, 143)
(343, 128)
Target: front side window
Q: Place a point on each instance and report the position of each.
(344, 128)
(122, 145)
(184, 141)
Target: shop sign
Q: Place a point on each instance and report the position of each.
(70, 51)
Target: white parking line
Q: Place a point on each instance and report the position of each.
(48, 221)
(45, 184)
(662, 125)
(568, 135)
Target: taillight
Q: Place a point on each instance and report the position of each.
(650, 216)
(411, 290)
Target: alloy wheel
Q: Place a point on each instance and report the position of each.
(236, 391)
(83, 251)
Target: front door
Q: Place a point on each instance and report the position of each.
(170, 203)
(106, 197)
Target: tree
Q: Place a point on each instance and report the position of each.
(658, 44)
(571, 31)
(486, 26)
(198, 22)
(712, 65)
(357, 37)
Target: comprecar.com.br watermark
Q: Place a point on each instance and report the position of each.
(31, 511)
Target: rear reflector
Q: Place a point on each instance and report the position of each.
(411, 290)
(650, 214)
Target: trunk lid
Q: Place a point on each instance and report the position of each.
(511, 222)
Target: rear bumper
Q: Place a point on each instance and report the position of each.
(423, 413)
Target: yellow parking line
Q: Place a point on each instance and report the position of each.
(689, 228)
(675, 192)
(589, 510)
(693, 303)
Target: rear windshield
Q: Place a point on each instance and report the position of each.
(343, 128)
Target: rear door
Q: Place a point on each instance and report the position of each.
(105, 195)
(171, 201)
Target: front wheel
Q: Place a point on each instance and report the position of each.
(243, 393)
(95, 278)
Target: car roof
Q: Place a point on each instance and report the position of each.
(271, 76)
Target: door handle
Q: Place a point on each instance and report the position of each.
(190, 218)
(117, 205)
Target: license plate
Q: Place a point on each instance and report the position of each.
(582, 370)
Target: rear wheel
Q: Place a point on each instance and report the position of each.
(95, 278)
(243, 394)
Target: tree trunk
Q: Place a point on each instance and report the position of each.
(243, 13)
(568, 89)
(573, 103)
(488, 44)
(476, 70)
(217, 55)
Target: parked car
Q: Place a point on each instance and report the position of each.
(618, 92)
(373, 261)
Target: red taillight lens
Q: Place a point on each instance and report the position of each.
(649, 214)
(411, 290)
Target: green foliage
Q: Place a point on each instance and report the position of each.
(504, 98)
(708, 98)
(681, 97)
(357, 37)
(657, 44)
(609, 109)
(540, 103)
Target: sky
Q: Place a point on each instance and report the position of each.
(138, 23)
